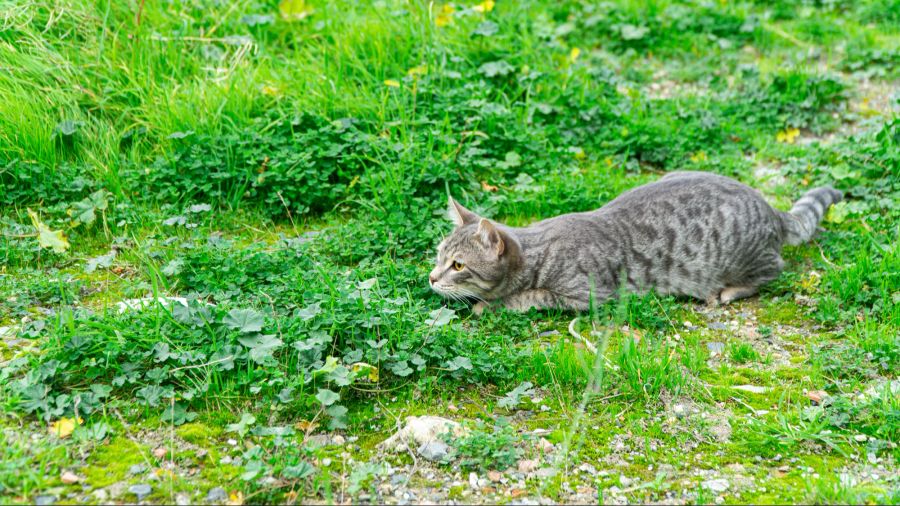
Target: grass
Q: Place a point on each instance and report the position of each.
(283, 167)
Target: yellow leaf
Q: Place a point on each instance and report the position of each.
(294, 10)
(699, 156)
(609, 161)
(486, 6)
(51, 239)
(447, 9)
(64, 427)
(306, 426)
(787, 136)
(442, 20)
(392, 83)
(573, 54)
(579, 153)
(419, 70)
(372, 371)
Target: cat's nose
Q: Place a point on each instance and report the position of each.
(432, 278)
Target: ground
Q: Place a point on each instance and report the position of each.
(217, 219)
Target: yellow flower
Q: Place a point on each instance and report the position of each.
(419, 70)
(445, 17)
(787, 136)
(486, 6)
(64, 427)
(392, 83)
(573, 54)
(699, 156)
(608, 161)
(271, 91)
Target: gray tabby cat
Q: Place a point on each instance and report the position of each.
(689, 233)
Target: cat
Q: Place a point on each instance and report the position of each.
(692, 234)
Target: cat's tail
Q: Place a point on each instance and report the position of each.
(801, 221)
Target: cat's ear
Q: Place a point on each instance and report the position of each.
(459, 214)
(488, 235)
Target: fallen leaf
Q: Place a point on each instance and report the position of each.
(48, 239)
(418, 70)
(160, 452)
(392, 83)
(488, 187)
(306, 426)
(517, 492)
(494, 476)
(64, 427)
(816, 396)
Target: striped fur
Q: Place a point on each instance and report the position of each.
(689, 233)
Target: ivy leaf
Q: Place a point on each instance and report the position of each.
(262, 346)
(514, 397)
(460, 363)
(486, 29)
(632, 32)
(327, 397)
(401, 369)
(309, 312)
(67, 128)
(102, 261)
(49, 239)
(440, 317)
(496, 68)
(244, 320)
(243, 425)
(338, 416)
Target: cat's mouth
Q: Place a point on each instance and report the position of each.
(454, 292)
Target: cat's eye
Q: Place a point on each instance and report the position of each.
(457, 266)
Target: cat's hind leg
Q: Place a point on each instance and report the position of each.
(733, 293)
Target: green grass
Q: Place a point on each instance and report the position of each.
(286, 172)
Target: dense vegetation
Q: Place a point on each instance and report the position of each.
(282, 169)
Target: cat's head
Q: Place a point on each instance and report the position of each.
(476, 259)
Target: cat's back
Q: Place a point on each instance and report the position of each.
(684, 191)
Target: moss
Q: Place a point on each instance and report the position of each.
(109, 463)
(784, 312)
(198, 433)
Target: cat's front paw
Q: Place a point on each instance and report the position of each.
(479, 308)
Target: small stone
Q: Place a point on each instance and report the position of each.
(494, 476)
(861, 438)
(69, 478)
(101, 495)
(44, 500)
(338, 440)
(182, 499)
(679, 410)
(625, 481)
(141, 491)
(217, 494)
(718, 485)
(435, 451)
(473, 481)
(202, 453)
(546, 472)
(545, 446)
(326, 462)
(587, 468)
(137, 469)
(160, 452)
(716, 326)
(232, 442)
(687, 324)
(226, 460)
(548, 333)
(452, 408)
(527, 466)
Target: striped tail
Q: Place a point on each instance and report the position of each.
(801, 221)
